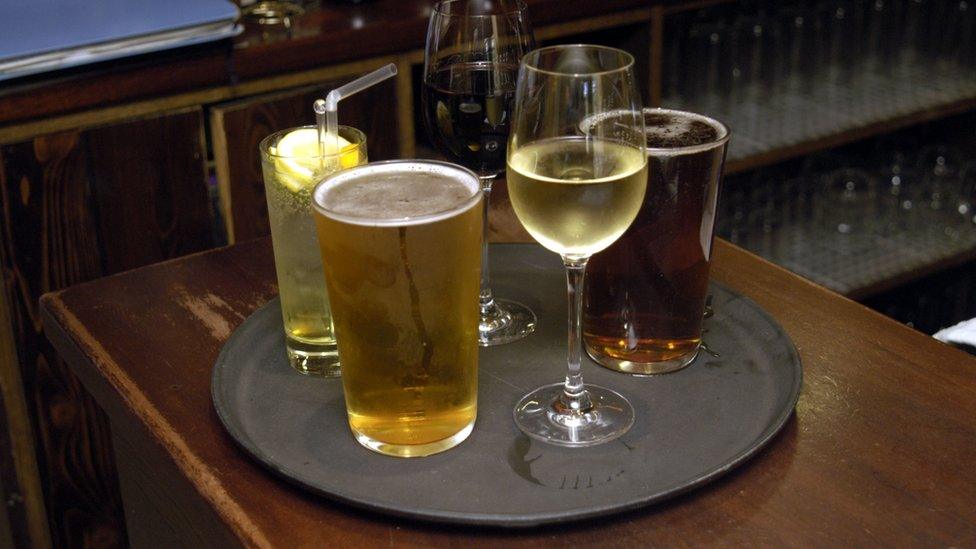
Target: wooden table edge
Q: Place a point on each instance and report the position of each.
(57, 321)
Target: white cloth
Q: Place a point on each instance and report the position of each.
(962, 333)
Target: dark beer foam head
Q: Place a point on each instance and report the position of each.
(397, 193)
(670, 129)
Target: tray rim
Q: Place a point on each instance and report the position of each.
(519, 521)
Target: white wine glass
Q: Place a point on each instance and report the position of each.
(576, 193)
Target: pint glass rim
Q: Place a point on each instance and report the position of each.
(530, 60)
(460, 207)
(345, 131)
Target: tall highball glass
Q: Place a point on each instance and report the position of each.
(292, 165)
(576, 193)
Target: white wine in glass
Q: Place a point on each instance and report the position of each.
(576, 193)
(570, 206)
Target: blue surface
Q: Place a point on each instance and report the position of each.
(38, 36)
(31, 27)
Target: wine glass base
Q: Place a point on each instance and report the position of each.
(610, 417)
(505, 321)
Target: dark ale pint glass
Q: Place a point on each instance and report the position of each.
(645, 294)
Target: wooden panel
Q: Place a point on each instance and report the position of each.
(50, 242)
(21, 483)
(150, 189)
(107, 84)
(161, 514)
(76, 206)
(238, 127)
(6, 535)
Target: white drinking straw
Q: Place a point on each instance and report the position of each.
(326, 115)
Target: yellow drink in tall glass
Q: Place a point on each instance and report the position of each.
(292, 167)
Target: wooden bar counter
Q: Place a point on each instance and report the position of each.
(879, 450)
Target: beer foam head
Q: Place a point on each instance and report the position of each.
(398, 193)
(667, 129)
(671, 131)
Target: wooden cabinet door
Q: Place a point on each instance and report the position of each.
(78, 205)
(239, 126)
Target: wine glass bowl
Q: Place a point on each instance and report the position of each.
(471, 61)
(576, 186)
(587, 215)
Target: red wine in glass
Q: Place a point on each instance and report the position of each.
(467, 109)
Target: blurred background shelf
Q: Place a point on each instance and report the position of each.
(792, 78)
(787, 127)
(866, 264)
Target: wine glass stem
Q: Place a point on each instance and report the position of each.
(575, 397)
(486, 299)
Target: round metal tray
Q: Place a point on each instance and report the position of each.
(692, 426)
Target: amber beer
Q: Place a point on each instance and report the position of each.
(401, 249)
(645, 295)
